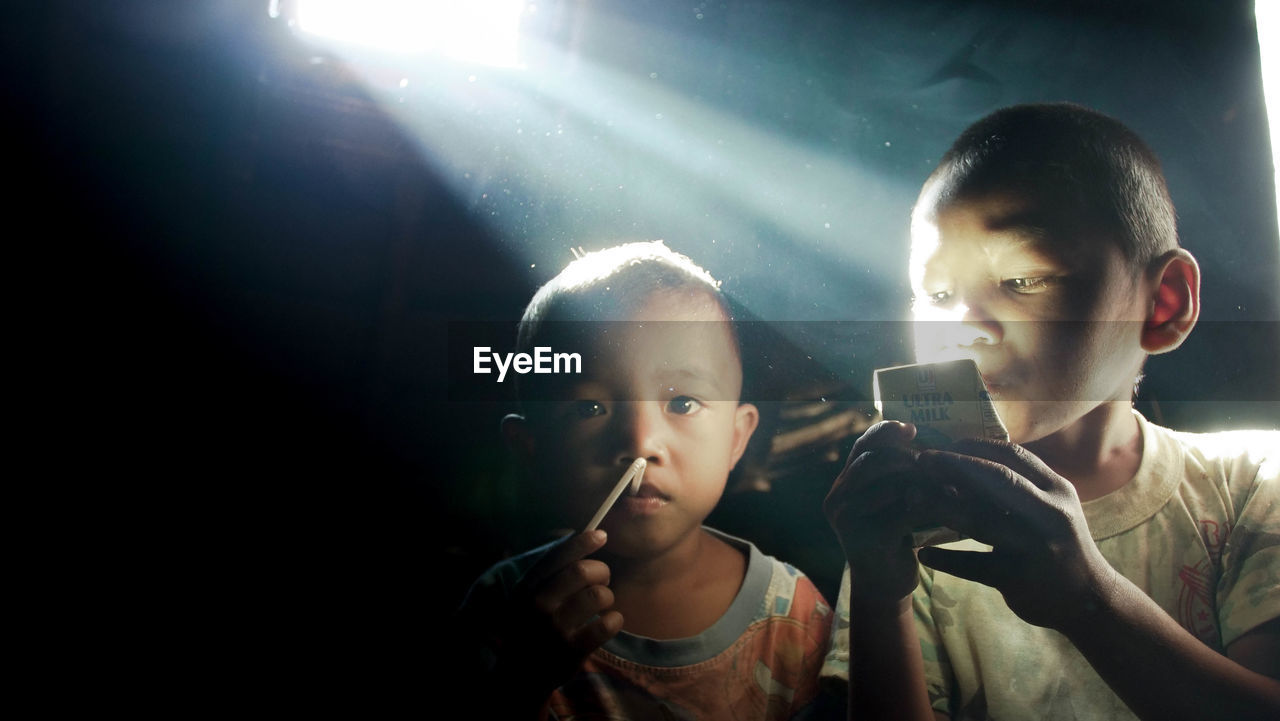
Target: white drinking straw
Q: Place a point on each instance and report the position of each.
(633, 477)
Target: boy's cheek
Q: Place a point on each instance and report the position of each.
(1014, 416)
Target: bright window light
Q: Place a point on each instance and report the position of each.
(481, 31)
(1267, 14)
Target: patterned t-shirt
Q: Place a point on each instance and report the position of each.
(760, 660)
(1197, 529)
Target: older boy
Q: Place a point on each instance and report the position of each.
(1115, 568)
(667, 618)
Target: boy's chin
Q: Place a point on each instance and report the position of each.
(619, 549)
(1031, 421)
(629, 542)
(1027, 421)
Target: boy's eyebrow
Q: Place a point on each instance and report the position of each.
(696, 374)
(1033, 224)
(1033, 229)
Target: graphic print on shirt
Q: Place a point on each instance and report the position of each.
(1197, 611)
(768, 674)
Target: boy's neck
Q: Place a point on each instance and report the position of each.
(679, 593)
(1099, 453)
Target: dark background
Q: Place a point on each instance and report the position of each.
(239, 253)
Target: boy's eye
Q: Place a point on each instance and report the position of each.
(588, 409)
(683, 405)
(1026, 285)
(940, 297)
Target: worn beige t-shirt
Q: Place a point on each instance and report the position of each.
(1198, 529)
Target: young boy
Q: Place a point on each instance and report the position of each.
(653, 615)
(1114, 568)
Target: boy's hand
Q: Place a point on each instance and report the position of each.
(872, 507)
(1043, 560)
(557, 616)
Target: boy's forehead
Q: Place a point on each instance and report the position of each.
(673, 335)
(674, 341)
(996, 223)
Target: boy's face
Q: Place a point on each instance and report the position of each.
(663, 386)
(1053, 323)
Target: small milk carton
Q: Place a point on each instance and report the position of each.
(946, 402)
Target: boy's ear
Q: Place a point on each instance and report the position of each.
(745, 420)
(519, 438)
(1174, 303)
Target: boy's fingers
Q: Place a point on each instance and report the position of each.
(984, 567)
(596, 633)
(866, 486)
(872, 480)
(578, 546)
(981, 480)
(1022, 461)
(981, 499)
(891, 520)
(582, 606)
(884, 434)
(572, 579)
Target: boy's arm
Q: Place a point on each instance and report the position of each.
(521, 645)
(1162, 671)
(886, 670)
(868, 507)
(1052, 574)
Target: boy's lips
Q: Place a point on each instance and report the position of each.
(649, 490)
(994, 381)
(649, 499)
(640, 505)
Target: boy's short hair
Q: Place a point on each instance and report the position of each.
(609, 285)
(1098, 175)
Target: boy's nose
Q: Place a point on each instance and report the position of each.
(954, 332)
(976, 327)
(639, 431)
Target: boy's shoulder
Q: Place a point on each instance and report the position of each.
(1216, 478)
(1234, 457)
(1255, 445)
(779, 588)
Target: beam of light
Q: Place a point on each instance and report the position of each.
(1267, 16)
(572, 152)
(479, 31)
(623, 157)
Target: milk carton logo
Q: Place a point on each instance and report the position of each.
(925, 380)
